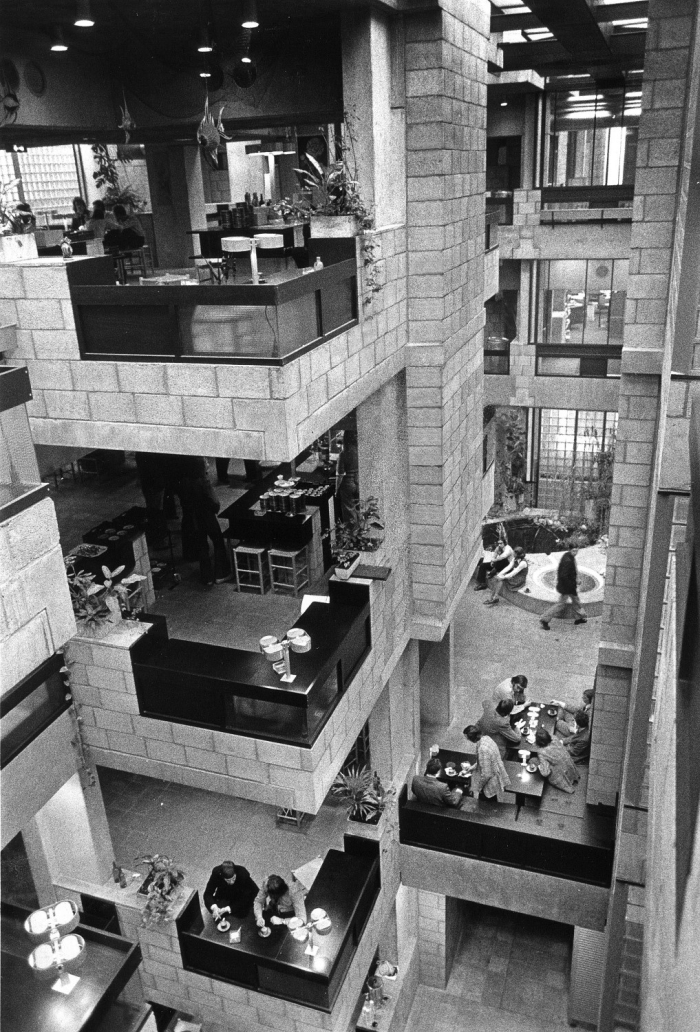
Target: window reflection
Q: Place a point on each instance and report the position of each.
(591, 137)
(581, 302)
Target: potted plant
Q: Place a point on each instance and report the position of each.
(15, 243)
(363, 791)
(161, 886)
(363, 532)
(337, 206)
(97, 607)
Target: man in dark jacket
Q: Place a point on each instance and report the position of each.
(567, 586)
(495, 722)
(427, 789)
(230, 890)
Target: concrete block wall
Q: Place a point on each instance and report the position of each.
(36, 617)
(645, 380)
(446, 137)
(439, 935)
(203, 409)
(283, 775)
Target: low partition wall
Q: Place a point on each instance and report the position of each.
(599, 361)
(346, 887)
(545, 842)
(238, 323)
(234, 690)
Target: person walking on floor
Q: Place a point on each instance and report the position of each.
(567, 587)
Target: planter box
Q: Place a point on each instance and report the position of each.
(334, 226)
(344, 570)
(14, 247)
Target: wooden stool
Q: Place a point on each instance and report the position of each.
(251, 568)
(289, 571)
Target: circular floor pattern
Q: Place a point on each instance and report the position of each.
(586, 581)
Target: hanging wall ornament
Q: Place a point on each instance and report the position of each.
(9, 85)
(127, 123)
(220, 128)
(208, 137)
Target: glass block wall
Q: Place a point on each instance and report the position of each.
(571, 444)
(49, 177)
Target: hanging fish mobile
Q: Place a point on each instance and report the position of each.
(210, 135)
(127, 123)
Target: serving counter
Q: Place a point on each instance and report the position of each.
(345, 887)
(236, 690)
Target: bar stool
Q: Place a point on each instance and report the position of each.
(289, 571)
(250, 565)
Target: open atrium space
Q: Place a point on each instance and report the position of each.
(349, 515)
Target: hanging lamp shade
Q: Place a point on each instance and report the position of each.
(83, 15)
(58, 43)
(250, 15)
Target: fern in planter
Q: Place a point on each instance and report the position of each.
(161, 886)
(363, 532)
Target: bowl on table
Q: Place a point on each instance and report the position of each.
(551, 711)
(294, 922)
(451, 772)
(532, 767)
(223, 926)
(300, 934)
(264, 932)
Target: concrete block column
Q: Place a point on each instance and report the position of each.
(437, 694)
(439, 934)
(446, 142)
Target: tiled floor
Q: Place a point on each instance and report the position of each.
(511, 973)
(199, 829)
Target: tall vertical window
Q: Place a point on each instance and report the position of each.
(591, 137)
(581, 301)
(575, 451)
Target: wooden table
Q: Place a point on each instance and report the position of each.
(546, 721)
(523, 783)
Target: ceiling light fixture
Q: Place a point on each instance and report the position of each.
(205, 75)
(84, 19)
(205, 46)
(250, 15)
(58, 43)
(504, 103)
(246, 59)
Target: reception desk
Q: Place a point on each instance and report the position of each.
(345, 887)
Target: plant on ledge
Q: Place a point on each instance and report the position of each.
(363, 532)
(10, 220)
(364, 792)
(95, 605)
(161, 886)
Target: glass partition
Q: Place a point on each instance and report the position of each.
(591, 137)
(581, 302)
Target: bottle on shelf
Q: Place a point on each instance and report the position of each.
(318, 264)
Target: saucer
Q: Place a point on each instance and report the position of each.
(223, 926)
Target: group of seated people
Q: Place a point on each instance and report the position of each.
(557, 756)
(117, 229)
(231, 892)
(507, 567)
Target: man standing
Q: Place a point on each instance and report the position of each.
(427, 788)
(230, 890)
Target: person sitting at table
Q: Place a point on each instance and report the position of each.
(514, 577)
(500, 559)
(566, 712)
(427, 789)
(554, 762)
(98, 223)
(276, 901)
(230, 890)
(514, 688)
(495, 722)
(80, 214)
(489, 776)
(578, 744)
(126, 233)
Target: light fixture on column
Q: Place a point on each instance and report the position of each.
(59, 951)
(58, 43)
(83, 17)
(277, 652)
(250, 15)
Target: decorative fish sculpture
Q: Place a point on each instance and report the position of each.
(127, 123)
(220, 125)
(208, 137)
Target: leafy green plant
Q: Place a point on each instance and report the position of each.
(511, 433)
(9, 217)
(106, 176)
(363, 532)
(363, 791)
(90, 600)
(162, 884)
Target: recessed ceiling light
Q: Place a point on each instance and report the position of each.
(504, 103)
(83, 18)
(205, 75)
(205, 46)
(246, 59)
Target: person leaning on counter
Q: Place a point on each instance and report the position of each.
(230, 890)
(278, 901)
